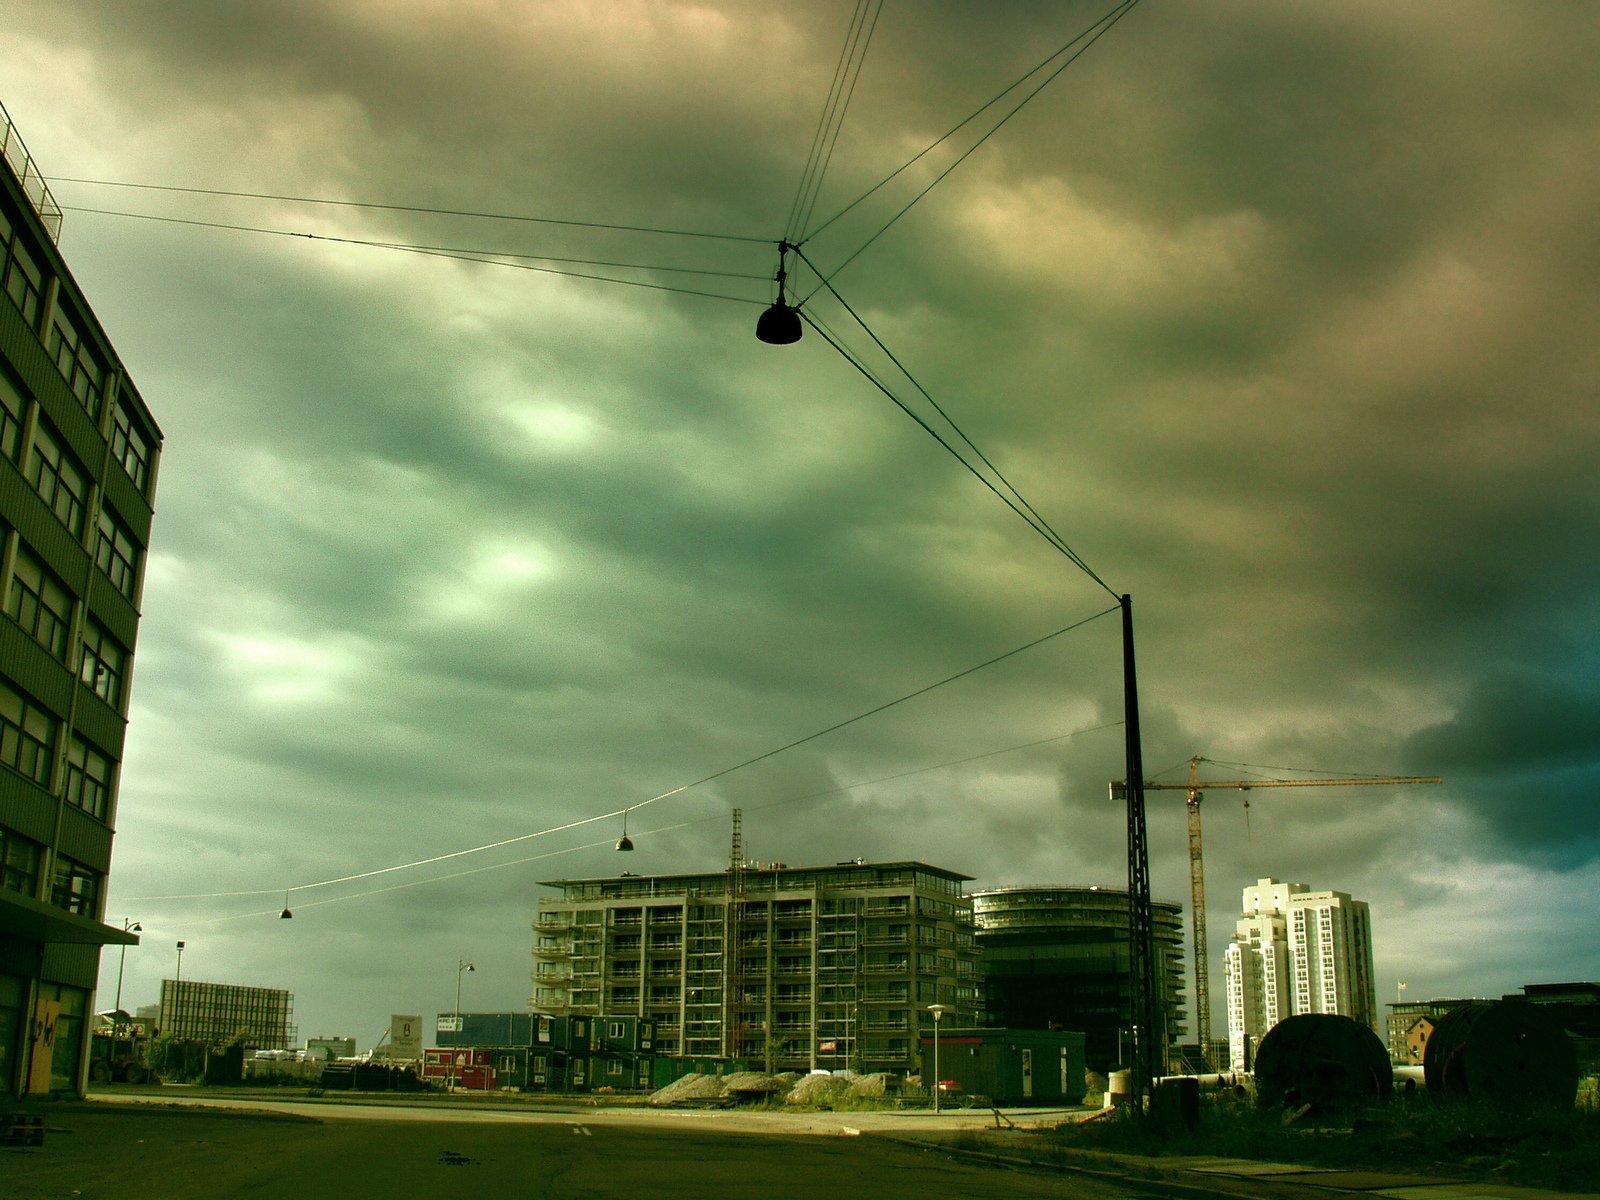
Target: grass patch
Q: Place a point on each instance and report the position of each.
(1508, 1141)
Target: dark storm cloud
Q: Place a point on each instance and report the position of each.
(1526, 746)
(1283, 317)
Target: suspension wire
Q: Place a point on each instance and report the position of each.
(477, 256)
(414, 208)
(967, 120)
(689, 824)
(1094, 34)
(829, 106)
(420, 247)
(838, 126)
(859, 58)
(1039, 521)
(850, 357)
(614, 813)
(1037, 524)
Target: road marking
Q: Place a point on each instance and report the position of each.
(581, 1131)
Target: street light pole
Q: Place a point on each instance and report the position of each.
(462, 966)
(177, 987)
(938, 1011)
(128, 926)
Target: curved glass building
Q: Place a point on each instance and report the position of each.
(1057, 956)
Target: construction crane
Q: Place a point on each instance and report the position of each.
(1197, 873)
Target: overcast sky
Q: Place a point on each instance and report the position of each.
(1283, 316)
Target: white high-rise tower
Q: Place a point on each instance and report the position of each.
(1296, 951)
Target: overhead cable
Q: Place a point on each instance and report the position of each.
(846, 74)
(607, 841)
(415, 208)
(1094, 33)
(614, 813)
(493, 258)
(1033, 516)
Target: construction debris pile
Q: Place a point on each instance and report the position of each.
(752, 1087)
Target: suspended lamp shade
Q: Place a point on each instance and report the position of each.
(286, 915)
(624, 842)
(779, 325)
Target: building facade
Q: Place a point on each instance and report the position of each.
(218, 1013)
(787, 967)
(540, 1052)
(1056, 957)
(78, 458)
(1296, 951)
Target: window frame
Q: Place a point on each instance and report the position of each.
(82, 788)
(58, 469)
(29, 736)
(119, 550)
(96, 670)
(28, 602)
(78, 359)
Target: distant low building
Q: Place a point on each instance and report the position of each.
(1409, 1025)
(1006, 1066)
(1576, 1008)
(541, 1052)
(331, 1047)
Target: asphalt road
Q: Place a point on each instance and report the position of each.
(124, 1152)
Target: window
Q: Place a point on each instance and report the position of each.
(104, 665)
(12, 406)
(88, 778)
(24, 281)
(27, 735)
(57, 477)
(19, 863)
(116, 554)
(614, 1029)
(614, 1068)
(40, 603)
(130, 446)
(74, 887)
(77, 362)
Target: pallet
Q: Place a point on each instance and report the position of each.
(16, 1130)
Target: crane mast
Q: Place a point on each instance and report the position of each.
(1194, 792)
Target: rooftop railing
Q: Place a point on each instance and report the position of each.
(28, 174)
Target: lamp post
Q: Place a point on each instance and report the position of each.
(938, 1011)
(177, 986)
(128, 926)
(462, 967)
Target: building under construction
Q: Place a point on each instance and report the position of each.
(826, 967)
(220, 1013)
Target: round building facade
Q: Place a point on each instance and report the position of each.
(1057, 957)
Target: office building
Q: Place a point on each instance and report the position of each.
(78, 457)
(793, 968)
(1296, 951)
(1056, 957)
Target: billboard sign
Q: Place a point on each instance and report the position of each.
(405, 1037)
(449, 1025)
